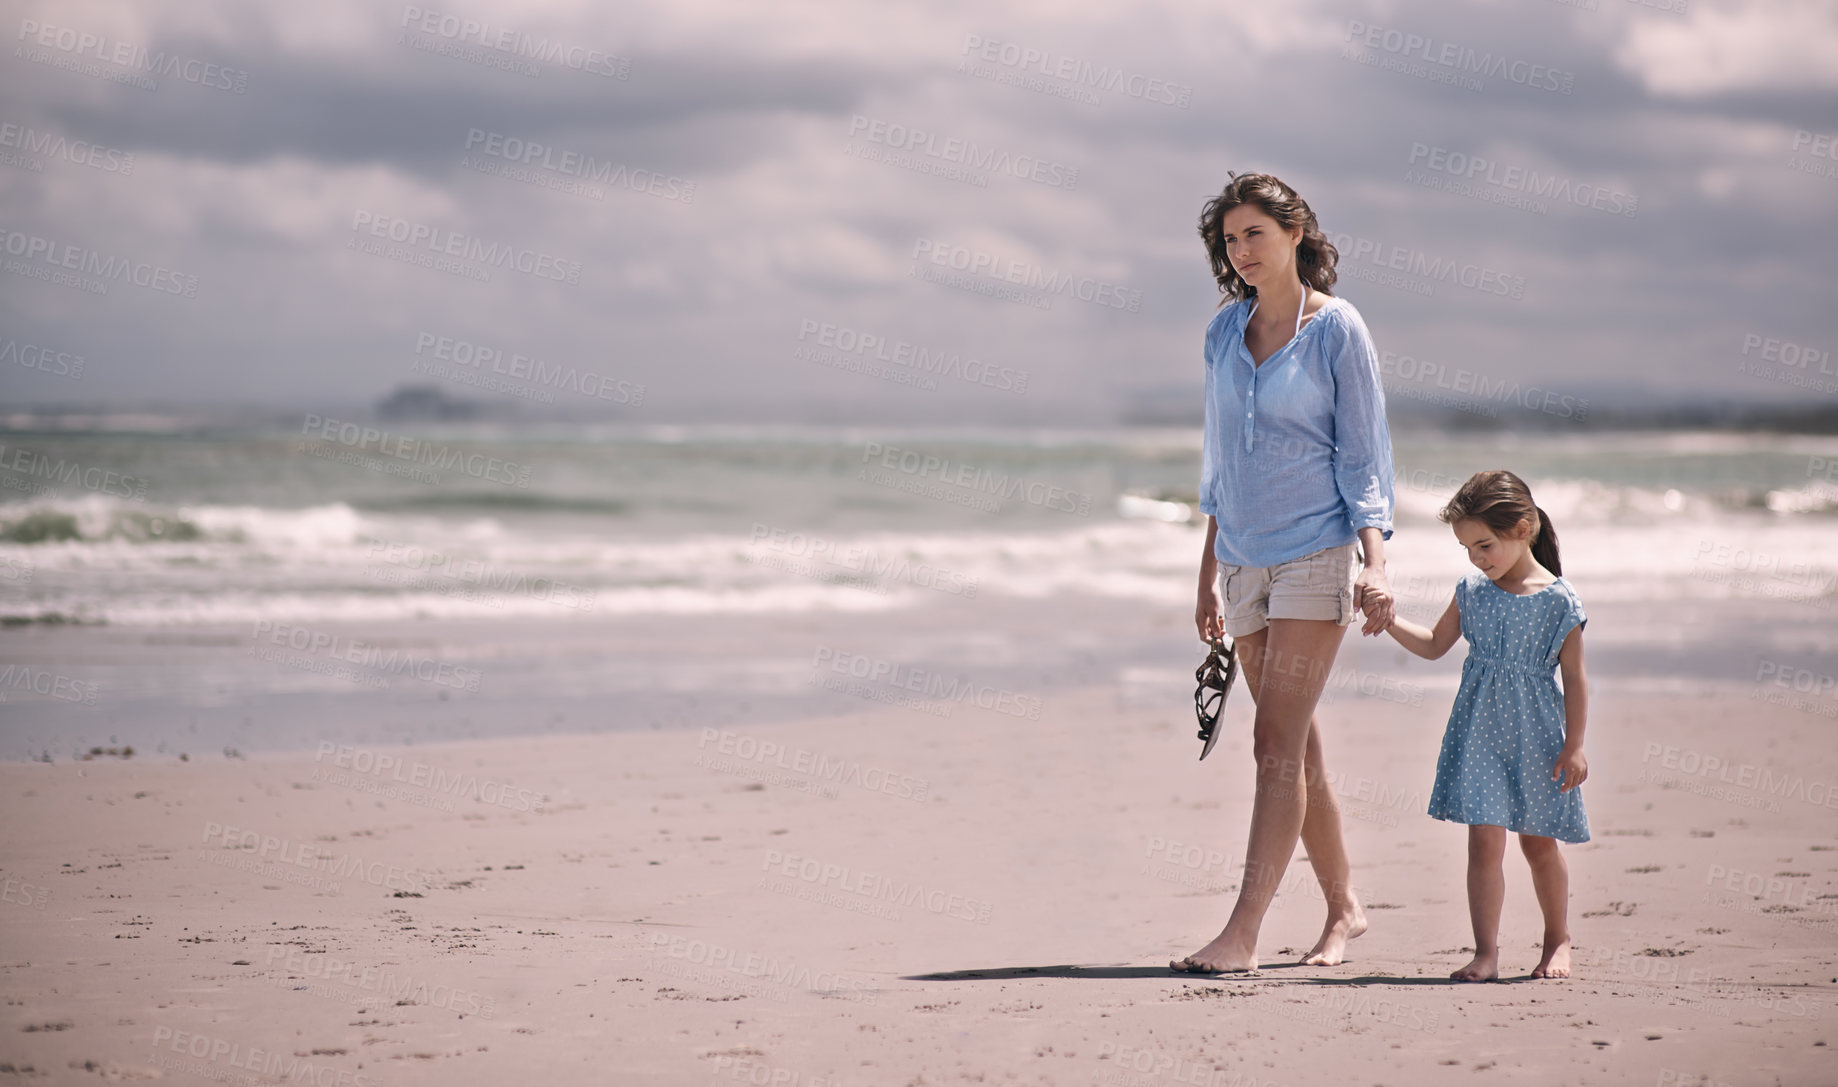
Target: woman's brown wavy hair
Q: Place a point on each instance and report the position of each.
(1315, 255)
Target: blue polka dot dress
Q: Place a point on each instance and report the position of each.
(1507, 726)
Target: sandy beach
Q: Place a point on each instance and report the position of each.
(660, 543)
(904, 894)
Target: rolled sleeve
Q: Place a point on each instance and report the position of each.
(1362, 439)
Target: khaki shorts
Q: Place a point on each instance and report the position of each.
(1317, 586)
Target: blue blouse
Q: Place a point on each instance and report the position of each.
(1296, 455)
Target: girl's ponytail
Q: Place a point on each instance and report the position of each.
(1544, 545)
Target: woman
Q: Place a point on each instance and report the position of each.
(1296, 484)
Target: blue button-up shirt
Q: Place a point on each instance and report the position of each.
(1296, 455)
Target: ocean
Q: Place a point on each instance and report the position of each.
(191, 576)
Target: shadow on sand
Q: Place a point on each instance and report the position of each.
(1120, 972)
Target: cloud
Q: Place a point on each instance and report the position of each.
(1768, 45)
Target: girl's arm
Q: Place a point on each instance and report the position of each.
(1429, 644)
(1571, 767)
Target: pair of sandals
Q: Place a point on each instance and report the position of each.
(1215, 675)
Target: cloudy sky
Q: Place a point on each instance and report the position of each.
(943, 212)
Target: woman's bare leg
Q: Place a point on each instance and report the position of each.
(1293, 659)
(1486, 894)
(1321, 826)
(1327, 852)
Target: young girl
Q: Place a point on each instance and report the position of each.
(1512, 756)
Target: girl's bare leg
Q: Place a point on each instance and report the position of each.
(1486, 894)
(1303, 650)
(1551, 879)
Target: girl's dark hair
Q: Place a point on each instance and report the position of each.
(1315, 255)
(1502, 501)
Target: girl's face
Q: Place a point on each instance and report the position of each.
(1260, 250)
(1494, 553)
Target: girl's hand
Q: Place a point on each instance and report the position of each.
(1372, 596)
(1571, 769)
(1209, 613)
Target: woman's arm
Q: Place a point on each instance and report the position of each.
(1571, 766)
(1209, 612)
(1372, 589)
(1429, 644)
(1362, 461)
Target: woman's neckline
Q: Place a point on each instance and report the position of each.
(1332, 299)
(1303, 324)
(1534, 592)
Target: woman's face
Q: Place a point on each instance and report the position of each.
(1260, 250)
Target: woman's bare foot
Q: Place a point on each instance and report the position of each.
(1331, 948)
(1223, 956)
(1485, 967)
(1556, 961)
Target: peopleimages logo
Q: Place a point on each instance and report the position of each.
(283, 853)
(35, 465)
(863, 560)
(137, 58)
(515, 43)
(1461, 58)
(1426, 374)
(416, 451)
(1520, 179)
(205, 1051)
(519, 367)
(30, 141)
(875, 886)
(1035, 277)
(382, 765)
(1075, 73)
(81, 263)
(351, 981)
(943, 362)
(995, 484)
(447, 243)
(925, 684)
(375, 664)
(40, 682)
(961, 152)
(579, 166)
(1416, 262)
(50, 360)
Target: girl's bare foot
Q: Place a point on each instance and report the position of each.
(1485, 967)
(1331, 948)
(1223, 956)
(1556, 961)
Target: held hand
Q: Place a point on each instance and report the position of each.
(1571, 769)
(1209, 613)
(1372, 596)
